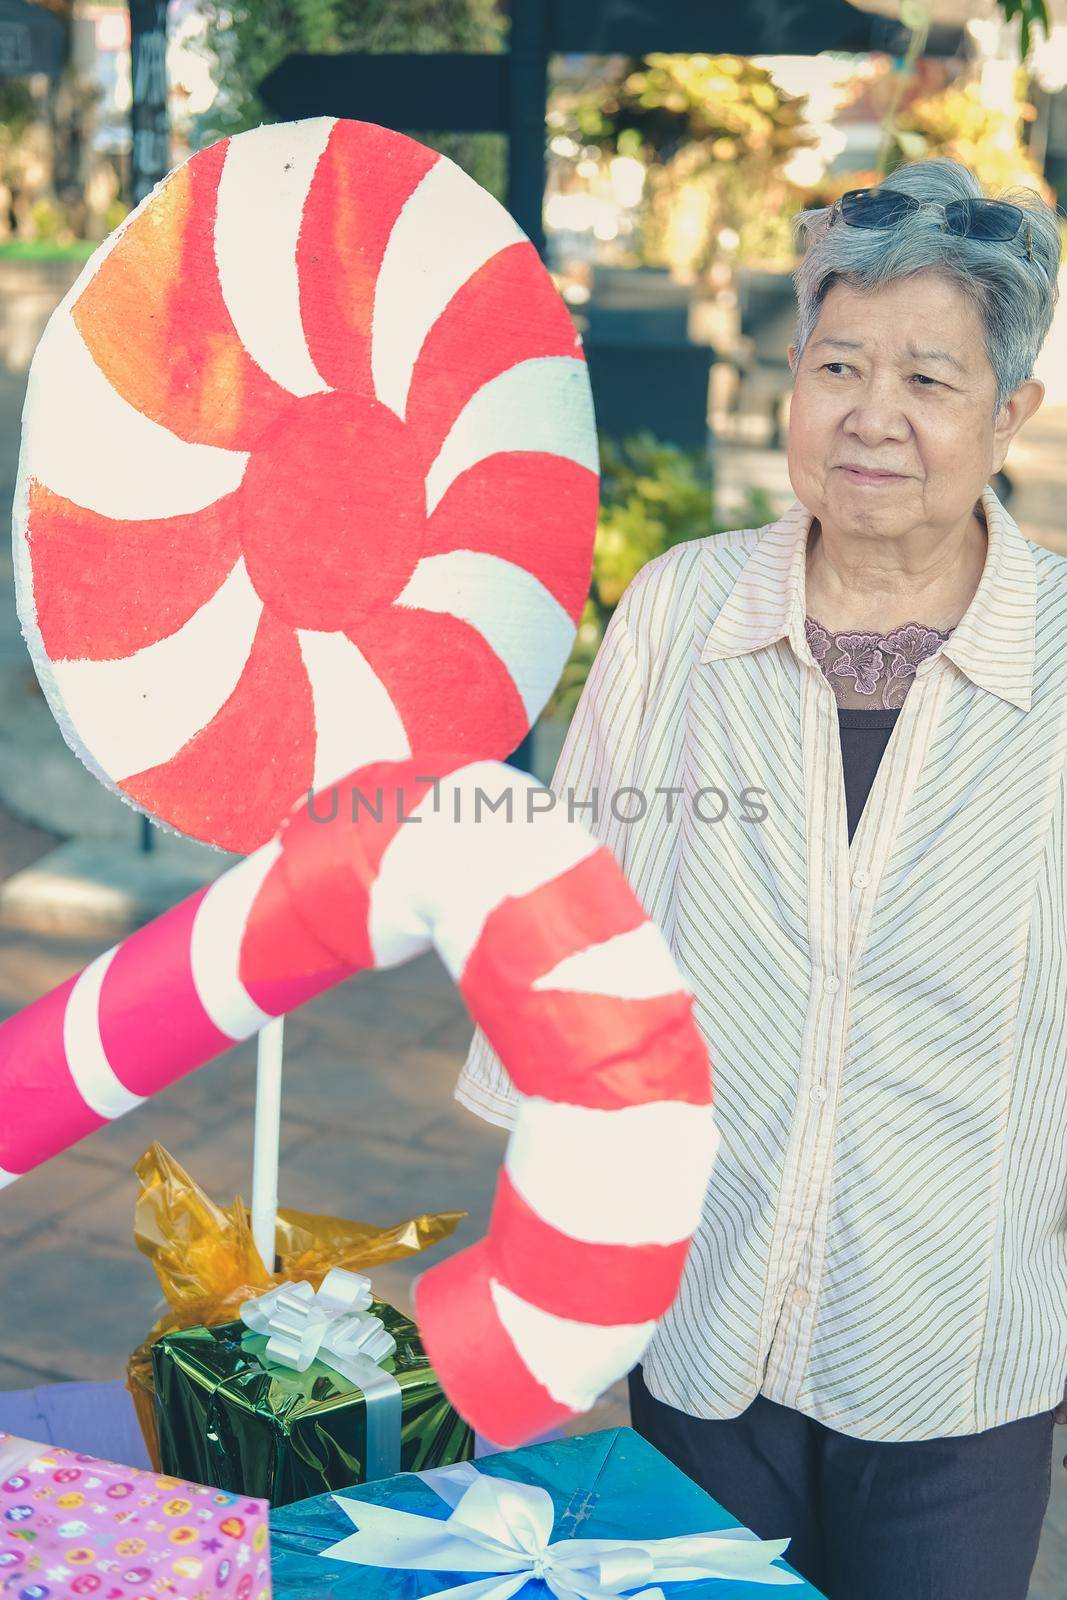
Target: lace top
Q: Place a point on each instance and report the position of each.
(872, 671)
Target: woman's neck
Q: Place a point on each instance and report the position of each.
(857, 583)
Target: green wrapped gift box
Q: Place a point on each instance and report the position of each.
(231, 1417)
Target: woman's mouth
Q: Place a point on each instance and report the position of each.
(869, 475)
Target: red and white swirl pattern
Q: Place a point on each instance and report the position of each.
(610, 1157)
(308, 479)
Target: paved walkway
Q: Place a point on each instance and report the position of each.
(371, 1129)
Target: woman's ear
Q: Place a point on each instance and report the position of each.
(1018, 408)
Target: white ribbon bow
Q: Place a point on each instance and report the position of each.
(504, 1529)
(331, 1325)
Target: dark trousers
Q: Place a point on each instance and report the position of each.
(935, 1519)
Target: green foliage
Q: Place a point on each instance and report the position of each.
(653, 496)
(727, 103)
(1029, 12)
(957, 122)
(46, 250)
(17, 110)
(50, 222)
(714, 133)
(247, 39)
(18, 113)
(116, 211)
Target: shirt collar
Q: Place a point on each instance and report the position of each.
(993, 642)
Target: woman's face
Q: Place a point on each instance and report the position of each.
(891, 426)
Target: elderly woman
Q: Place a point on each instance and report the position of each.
(830, 756)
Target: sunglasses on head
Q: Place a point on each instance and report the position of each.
(993, 221)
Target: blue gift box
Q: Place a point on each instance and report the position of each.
(610, 1485)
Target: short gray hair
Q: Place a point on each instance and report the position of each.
(1016, 297)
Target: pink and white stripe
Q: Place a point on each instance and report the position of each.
(607, 1166)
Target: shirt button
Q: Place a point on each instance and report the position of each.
(861, 878)
(800, 1297)
(831, 985)
(818, 1094)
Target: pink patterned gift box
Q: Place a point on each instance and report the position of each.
(72, 1525)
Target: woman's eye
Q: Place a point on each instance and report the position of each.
(922, 379)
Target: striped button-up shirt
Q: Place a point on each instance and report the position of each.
(884, 1240)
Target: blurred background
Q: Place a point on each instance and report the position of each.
(657, 153)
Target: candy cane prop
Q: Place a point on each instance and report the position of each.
(612, 1149)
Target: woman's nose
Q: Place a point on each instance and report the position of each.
(877, 415)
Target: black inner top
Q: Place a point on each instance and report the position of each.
(864, 737)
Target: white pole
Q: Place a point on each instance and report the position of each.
(267, 1136)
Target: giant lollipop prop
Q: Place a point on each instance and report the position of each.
(607, 1166)
(308, 480)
